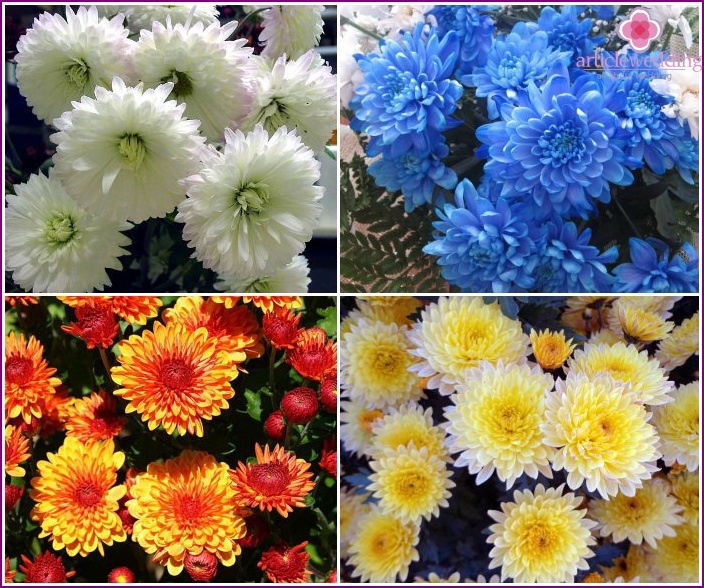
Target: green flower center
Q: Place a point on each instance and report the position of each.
(78, 73)
(132, 151)
(274, 116)
(183, 86)
(61, 230)
(251, 198)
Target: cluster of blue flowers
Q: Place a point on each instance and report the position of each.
(558, 141)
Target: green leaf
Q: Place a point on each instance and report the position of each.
(312, 551)
(254, 404)
(329, 321)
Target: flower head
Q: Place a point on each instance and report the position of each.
(277, 480)
(405, 425)
(685, 489)
(9, 572)
(21, 300)
(121, 575)
(390, 309)
(288, 565)
(356, 422)
(313, 356)
(209, 73)
(136, 309)
(457, 333)
(676, 559)
(28, 378)
(541, 536)
(268, 303)
(678, 426)
(280, 327)
(45, 568)
(601, 433)
(202, 567)
(550, 348)
(626, 365)
(54, 245)
(108, 148)
(60, 60)
(274, 426)
(567, 33)
(353, 506)
(328, 394)
(184, 507)
(410, 484)
(95, 323)
(174, 378)
(16, 451)
(291, 30)
(13, 494)
(640, 325)
(300, 405)
(94, 418)
(383, 547)
(652, 270)
(328, 457)
(292, 277)
(143, 16)
(683, 342)
(375, 365)
(76, 497)
(495, 422)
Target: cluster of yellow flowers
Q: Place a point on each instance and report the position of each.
(598, 414)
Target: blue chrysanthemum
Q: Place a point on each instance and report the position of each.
(570, 264)
(555, 150)
(688, 158)
(485, 247)
(515, 60)
(415, 173)
(474, 29)
(407, 90)
(567, 33)
(652, 270)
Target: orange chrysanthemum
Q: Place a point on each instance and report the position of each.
(16, 451)
(236, 329)
(286, 565)
(22, 300)
(76, 497)
(55, 411)
(9, 573)
(174, 378)
(267, 303)
(94, 418)
(280, 327)
(95, 322)
(313, 356)
(227, 301)
(136, 309)
(276, 481)
(185, 506)
(28, 378)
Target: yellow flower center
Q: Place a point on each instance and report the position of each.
(60, 230)
(409, 486)
(78, 73)
(132, 150)
(541, 539)
(367, 418)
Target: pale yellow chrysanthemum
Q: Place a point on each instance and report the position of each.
(685, 489)
(639, 325)
(602, 434)
(494, 579)
(541, 537)
(550, 348)
(632, 567)
(408, 424)
(495, 423)
(353, 506)
(410, 483)
(678, 426)
(356, 421)
(682, 343)
(660, 305)
(433, 578)
(384, 548)
(587, 314)
(605, 337)
(397, 313)
(375, 364)
(625, 364)
(649, 515)
(676, 559)
(459, 332)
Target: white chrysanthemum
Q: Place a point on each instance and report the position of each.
(292, 278)
(291, 30)
(348, 71)
(253, 206)
(649, 515)
(403, 17)
(142, 16)
(61, 60)
(52, 245)
(678, 427)
(209, 72)
(356, 422)
(299, 94)
(495, 422)
(123, 152)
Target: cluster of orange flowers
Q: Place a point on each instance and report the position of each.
(191, 511)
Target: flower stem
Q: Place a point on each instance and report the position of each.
(289, 429)
(106, 362)
(628, 218)
(346, 21)
(272, 379)
(250, 16)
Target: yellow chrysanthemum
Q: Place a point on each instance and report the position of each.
(682, 343)
(28, 380)
(16, 451)
(678, 426)
(353, 506)
(587, 314)
(624, 363)
(410, 483)
(685, 489)
(356, 426)
(236, 329)
(174, 378)
(405, 425)
(632, 567)
(495, 423)
(396, 313)
(605, 337)
(649, 515)
(185, 506)
(639, 325)
(459, 332)
(542, 537)
(676, 559)
(76, 497)
(659, 305)
(550, 348)
(375, 365)
(383, 549)
(602, 434)
(433, 578)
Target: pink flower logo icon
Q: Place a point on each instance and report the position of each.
(639, 30)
